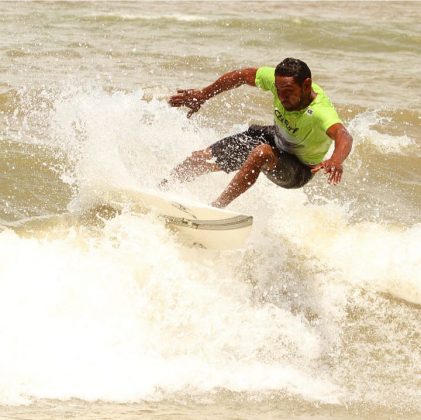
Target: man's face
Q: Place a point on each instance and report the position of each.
(291, 94)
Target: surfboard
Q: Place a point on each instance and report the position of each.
(199, 225)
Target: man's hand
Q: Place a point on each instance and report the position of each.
(343, 143)
(334, 169)
(194, 98)
(191, 98)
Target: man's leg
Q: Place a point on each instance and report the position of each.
(228, 154)
(198, 163)
(261, 158)
(289, 172)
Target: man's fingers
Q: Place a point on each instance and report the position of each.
(335, 175)
(181, 101)
(177, 100)
(190, 98)
(338, 176)
(334, 172)
(316, 168)
(173, 101)
(191, 112)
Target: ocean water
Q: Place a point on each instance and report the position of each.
(318, 315)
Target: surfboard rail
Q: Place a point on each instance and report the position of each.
(237, 222)
(198, 224)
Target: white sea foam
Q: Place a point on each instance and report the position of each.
(145, 16)
(362, 128)
(129, 313)
(121, 140)
(132, 314)
(118, 317)
(375, 256)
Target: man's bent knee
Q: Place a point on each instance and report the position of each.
(264, 156)
(201, 161)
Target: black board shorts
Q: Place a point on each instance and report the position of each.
(231, 152)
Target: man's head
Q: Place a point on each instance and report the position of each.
(293, 84)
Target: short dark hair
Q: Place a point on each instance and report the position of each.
(295, 68)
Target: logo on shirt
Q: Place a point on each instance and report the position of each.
(285, 122)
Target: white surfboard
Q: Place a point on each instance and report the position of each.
(200, 225)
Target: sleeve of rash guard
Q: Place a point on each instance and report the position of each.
(265, 78)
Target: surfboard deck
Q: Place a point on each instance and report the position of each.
(200, 225)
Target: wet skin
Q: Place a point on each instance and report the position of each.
(292, 95)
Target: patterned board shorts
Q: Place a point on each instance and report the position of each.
(231, 152)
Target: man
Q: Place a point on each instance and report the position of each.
(290, 152)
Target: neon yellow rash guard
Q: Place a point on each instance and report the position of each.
(301, 133)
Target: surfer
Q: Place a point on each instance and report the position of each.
(290, 151)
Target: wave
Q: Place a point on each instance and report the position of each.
(370, 127)
(109, 308)
(116, 17)
(122, 311)
(99, 138)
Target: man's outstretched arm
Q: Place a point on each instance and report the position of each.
(195, 98)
